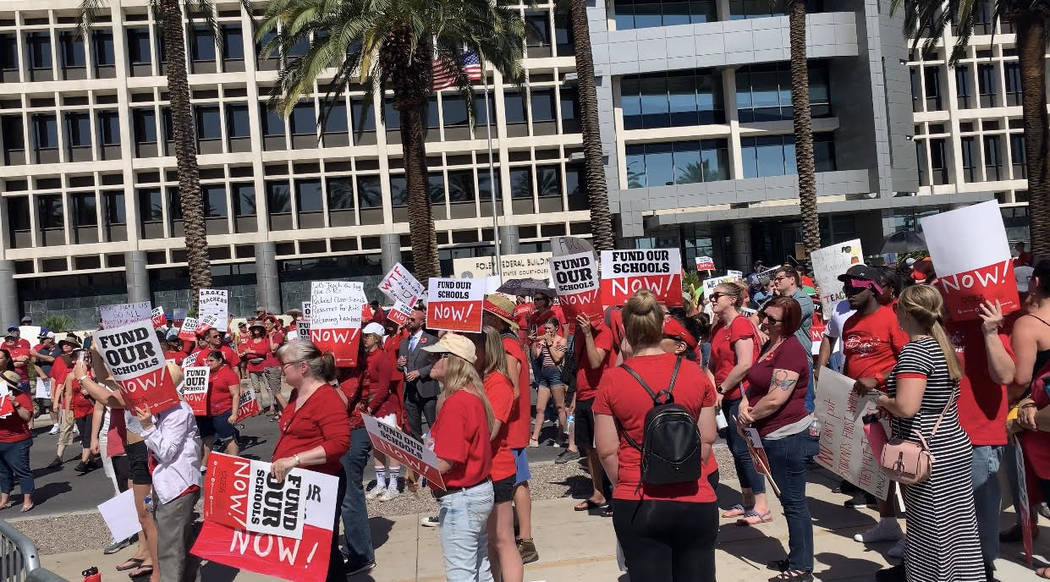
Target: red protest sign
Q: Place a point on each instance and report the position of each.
(399, 313)
(195, 388)
(248, 405)
(158, 317)
(576, 283)
(455, 304)
(964, 292)
(133, 355)
(335, 318)
(405, 448)
(625, 272)
(705, 264)
(400, 285)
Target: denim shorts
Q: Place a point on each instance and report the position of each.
(549, 377)
(521, 465)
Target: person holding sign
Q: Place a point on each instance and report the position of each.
(315, 430)
(15, 441)
(461, 438)
(224, 388)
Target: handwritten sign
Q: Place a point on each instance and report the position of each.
(403, 447)
(577, 285)
(133, 355)
(214, 303)
(705, 263)
(710, 284)
(124, 313)
(335, 318)
(625, 272)
(400, 285)
(455, 304)
(830, 262)
(195, 388)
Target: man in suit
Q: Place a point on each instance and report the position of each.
(421, 391)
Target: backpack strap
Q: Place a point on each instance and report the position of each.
(655, 397)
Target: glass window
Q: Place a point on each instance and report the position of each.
(764, 92)
(369, 193)
(570, 106)
(563, 34)
(993, 157)
(203, 47)
(340, 194)
(1017, 156)
(687, 164)
(151, 205)
(8, 52)
(433, 118)
(238, 123)
(461, 186)
(714, 159)
(542, 105)
(987, 84)
(299, 48)
(672, 99)
(49, 211)
(209, 124)
(303, 119)
(969, 158)
(480, 114)
(115, 211)
(659, 164)
(963, 80)
(85, 209)
(398, 191)
(39, 46)
(102, 46)
(18, 213)
(11, 126)
(823, 152)
(78, 129)
(138, 46)
(646, 13)
(108, 128)
(454, 110)
(278, 197)
(243, 199)
(174, 203)
(655, 108)
(232, 42)
(214, 196)
(548, 181)
(631, 101)
(1012, 71)
(72, 49)
(521, 183)
(635, 155)
(363, 113)
(167, 125)
(45, 130)
(272, 122)
(436, 188)
(336, 122)
(308, 195)
(391, 115)
(515, 105)
(537, 29)
(681, 99)
(484, 191)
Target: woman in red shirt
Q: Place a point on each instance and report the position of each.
(78, 406)
(272, 367)
(667, 532)
(258, 352)
(461, 439)
(15, 441)
(734, 347)
(378, 401)
(315, 428)
(492, 366)
(224, 388)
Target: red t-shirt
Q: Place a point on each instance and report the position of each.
(219, 382)
(501, 397)
(391, 345)
(257, 349)
(13, 429)
(461, 437)
(587, 379)
(320, 421)
(521, 315)
(17, 351)
(621, 397)
(378, 369)
(871, 343)
(520, 420)
(175, 356)
(723, 354)
(789, 356)
(271, 358)
(350, 386)
(982, 402)
(231, 357)
(536, 319)
(82, 405)
(117, 437)
(59, 371)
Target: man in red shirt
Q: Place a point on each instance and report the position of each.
(17, 333)
(213, 342)
(20, 357)
(595, 352)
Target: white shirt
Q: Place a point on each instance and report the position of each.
(176, 446)
(839, 315)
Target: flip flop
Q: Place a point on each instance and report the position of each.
(753, 517)
(587, 505)
(26, 509)
(141, 571)
(130, 564)
(735, 511)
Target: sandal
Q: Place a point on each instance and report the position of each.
(130, 564)
(26, 508)
(793, 576)
(146, 570)
(752, 517)
(737, 510)
(7, 505)
(587, 505)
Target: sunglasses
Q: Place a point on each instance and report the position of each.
(765, 316)
(715, 297)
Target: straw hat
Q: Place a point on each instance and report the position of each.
(502, 308)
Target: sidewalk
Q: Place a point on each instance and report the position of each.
(578, 547)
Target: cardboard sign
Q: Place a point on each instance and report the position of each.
(521, 266)
(191, 360)
(971, 254)
(710, 284)
(335, 318)
(120, 516)
(275, 529)
(399, 313)
(844, 448)
(158, 317)
(189, 328)
(195, 388)
(214, 302)
(455, 304)
(133, 355)
(405, 448)
(248, 406)
(400, 285)
(625, 272)
(577, 285)
(122, 314)
(705, 264)
(830, 262)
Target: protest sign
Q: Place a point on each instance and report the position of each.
(577, 285)
(710, 284)
(971, 255)
(307, 309)
(253, 523)
(844, 448)
(399, 313)
(122, 314)
(405, 448)
(735, 274)
(625, 272)
(400, 285)
(120, 516)
(758, 452)
(830, 262)
(195, 388)
(158, 317)
(335, 318)
(178, 315)
(570, 245)
(523, 266)
(248, 406)
(705, 264)
(455, 304)
(303, 329)
(191, 360)
(189, 328)
(133, 355)
(214, 302)
(43, 388)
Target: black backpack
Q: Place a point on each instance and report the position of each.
(671, 451)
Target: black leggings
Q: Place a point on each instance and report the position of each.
(667, 540)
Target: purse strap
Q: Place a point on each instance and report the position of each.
(951, 399)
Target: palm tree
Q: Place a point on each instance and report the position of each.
(803, 126)
(195, 231)
(594, 167)
(926, 19)
(392, 45)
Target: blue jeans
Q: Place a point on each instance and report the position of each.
(464, 539)
(354, 511)
(787, 463)
(745, 468)
(987, 498)
(14, 464)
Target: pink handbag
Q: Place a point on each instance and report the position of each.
(910, 462)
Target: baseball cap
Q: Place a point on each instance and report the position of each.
(862, 272)
(374, 328)
(674, 329)
(455, 344)
(12, 327)
(46, 334)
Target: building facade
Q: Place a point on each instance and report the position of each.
(694, 99)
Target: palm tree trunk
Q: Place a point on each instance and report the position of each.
(185, 150)
(807, 180)
(1031, 46)
(594, 167)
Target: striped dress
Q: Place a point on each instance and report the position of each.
(942, 524)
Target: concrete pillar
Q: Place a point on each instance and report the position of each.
(9, 311)
(741, 243)
(390, 246)
(508, 239)
(268, 291)
(136, 276)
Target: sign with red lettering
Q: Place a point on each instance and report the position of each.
(971, 255)
(159, 319)
(405, 448)
(195, 388)
(335, 318)
(400, 285)
(248, 405)
(576, 282)
(705, 264)
(189, 328)
(758, 452)
(844, 448)
(178, 315)
(455, 304)
(214, 303)
(253, 522)
(399, 313)
(625, 272)
(133, 355)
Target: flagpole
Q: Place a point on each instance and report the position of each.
(492, 172)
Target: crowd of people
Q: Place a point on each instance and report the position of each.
(744, 364)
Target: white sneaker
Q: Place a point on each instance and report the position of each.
(899, 550)
(388, 494)
(54, 429)
(432, 521)
(76, 431)
(375, 492)
(887, 530)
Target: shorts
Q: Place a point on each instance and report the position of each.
(503, 490)
(138, 461)
(521, 466)
(65, 431)
(223, 430)
(84, 426)
(549, 377)
(584, 434)
(205, 427)
(121, 471)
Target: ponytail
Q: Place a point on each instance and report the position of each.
(926, 306)
(938, 333)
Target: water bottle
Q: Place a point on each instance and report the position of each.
(814, 428)
(148, 502)
(570, 422)
(720, 420)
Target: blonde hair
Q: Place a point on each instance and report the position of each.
(735, 289)
(462, 375)
(495, 359)
(643, 320)
(924, 304)
(320, 366)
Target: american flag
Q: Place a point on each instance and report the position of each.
(444, 71)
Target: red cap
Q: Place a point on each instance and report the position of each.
(674, 329)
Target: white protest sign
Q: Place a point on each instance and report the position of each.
(400, 285)
(43, 388)
(577, 285)
(133, 355)
(303, 328)
(214, 302)
(710, 284)
(405, 448)
(830, 262)
(120, 516)
(705, 263)
(307, 308)
(399, 313)
(195, 388)
(124, 313)
(335, 318)
(189, 328)
(455, 304)
(276, 508)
